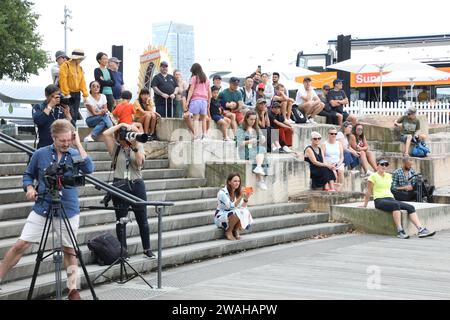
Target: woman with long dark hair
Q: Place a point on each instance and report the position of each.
(250, 141)
(199, 97)
(232, 214)
(97, 112)
(145, 114)
(359, 143)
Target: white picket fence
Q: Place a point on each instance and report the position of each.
(436, 112)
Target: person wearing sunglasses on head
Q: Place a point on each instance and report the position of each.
(322, 176)
(379, 185)
(333, 154)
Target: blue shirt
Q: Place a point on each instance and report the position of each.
(118, 83)
(42, 159)
(44, 122)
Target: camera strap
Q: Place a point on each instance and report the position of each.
(55, 158)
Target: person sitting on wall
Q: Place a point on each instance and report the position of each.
(405, 183)
(232, 214)
(410, 129)
(322, 175)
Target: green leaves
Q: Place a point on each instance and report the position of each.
(20, 53)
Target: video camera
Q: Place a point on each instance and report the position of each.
(65, 101)
(131, 136)
(54, 175)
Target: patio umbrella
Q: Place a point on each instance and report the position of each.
(379, 60)
(288, 71)
(416, 75)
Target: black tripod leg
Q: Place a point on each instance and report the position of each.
(40, 254)
(137, 274)
(106, 270)
(78, 252)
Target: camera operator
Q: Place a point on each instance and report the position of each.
(405, 183)
(47, 112)
(64, 135)
(128, 160)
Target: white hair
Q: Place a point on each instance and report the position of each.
(315, 134)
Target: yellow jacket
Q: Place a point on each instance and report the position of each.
(71, 79)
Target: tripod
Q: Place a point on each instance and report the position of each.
(57, 210)
(124, 278)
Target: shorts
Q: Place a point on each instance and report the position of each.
(198, 107)
(34, 226)
(216, 117)
(390, 205)
(404, 137)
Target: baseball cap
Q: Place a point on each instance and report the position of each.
(325, 87)
(307, 79)
(411, 110)
(217, 77)
(163, 64)
(234, 80)
(261, 100)
(60, 54)
(114, 59)
(335, 82)
(261, 86)
(276, 104)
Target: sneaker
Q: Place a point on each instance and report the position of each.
(74, 295)
(287, 149)
(369, 172)
(290, 121)
(204, 138)
(154, 137)
(259, 170)
(308, 121)
(228, 139)
(262, 185)
(402, 235)
(88, 139)
(426, 233)
(312, 121)
(149, 254)
(150, 138)
(275, 150)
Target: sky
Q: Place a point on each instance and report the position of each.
(244, 32)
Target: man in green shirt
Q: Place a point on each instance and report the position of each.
(410, 127)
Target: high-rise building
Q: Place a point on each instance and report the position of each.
(179, 40)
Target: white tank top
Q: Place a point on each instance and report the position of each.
(332, 152)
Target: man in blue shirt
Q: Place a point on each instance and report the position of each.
(46, 113)
(64, 135)
(113, 65)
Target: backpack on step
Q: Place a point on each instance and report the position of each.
(106, 248)
(420, 150)
(297, 115)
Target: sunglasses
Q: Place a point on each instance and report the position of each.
(95, 86)
(384, 164)
(332, 133)
(317, 138)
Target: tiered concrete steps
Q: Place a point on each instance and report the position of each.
(188, 230)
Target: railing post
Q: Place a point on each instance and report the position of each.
(160, 212)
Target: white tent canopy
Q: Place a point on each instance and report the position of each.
(16, 92)
(379, 60)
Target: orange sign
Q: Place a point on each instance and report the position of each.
(366, 80)
(321, 79)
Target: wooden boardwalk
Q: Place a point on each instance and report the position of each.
(341, 267)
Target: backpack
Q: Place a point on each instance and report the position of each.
(297, 115)
(106, 248)
(420, 150)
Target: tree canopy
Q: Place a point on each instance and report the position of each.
(20, 44)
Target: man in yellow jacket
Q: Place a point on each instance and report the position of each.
(71, 82)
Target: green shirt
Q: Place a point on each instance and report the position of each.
(106, 77)
(230, 96)
(381, 185)
(409, 126)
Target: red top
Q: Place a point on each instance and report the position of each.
(124, 112)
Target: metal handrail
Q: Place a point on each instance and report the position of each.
(132, 199)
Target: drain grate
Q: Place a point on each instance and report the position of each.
(127, 293)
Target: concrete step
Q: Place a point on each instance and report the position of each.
(21, 210)
(18, 168)
(20, 157)
(13, 228)
(371, 220)
(179, 255)
(7, 148)
(15, 181)
(17, 195)
(432, 167)
(437, 147)
(172, 238)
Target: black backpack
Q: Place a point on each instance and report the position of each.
(297, 115)
(106, 248)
